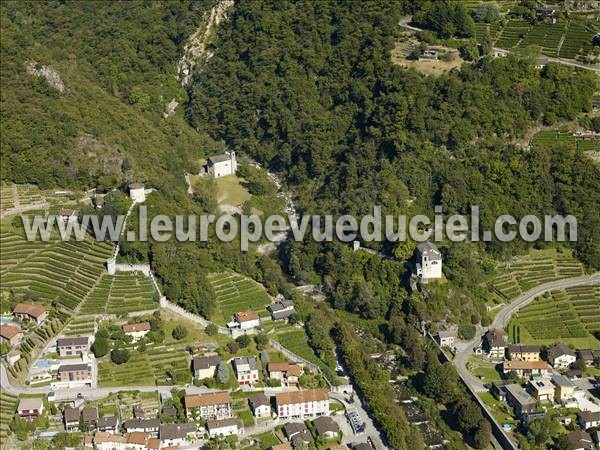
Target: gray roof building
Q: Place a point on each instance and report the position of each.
(68, 342)
(176, 430)
(297, 431)
(245, 363)
(205, 362)
(325, 424)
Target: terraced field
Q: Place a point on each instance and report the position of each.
(158, 365)
(80, 326)
(570, 315)
(547, 35)
(548, 138)
(56, 271)
(525, 272)
(8, 406)
(578, 41)
(119, 294)
(297, 342)
(512, 33)
(236, 293)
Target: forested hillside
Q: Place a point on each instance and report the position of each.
(99, 122)
(350, 130)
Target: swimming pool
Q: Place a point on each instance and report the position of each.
(43, 363)
(5, 320)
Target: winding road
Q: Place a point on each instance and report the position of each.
(503, 318)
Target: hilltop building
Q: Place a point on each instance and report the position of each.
(428, 261)
(221, 165)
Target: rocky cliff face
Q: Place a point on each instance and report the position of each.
(47, 72)
(196, 52)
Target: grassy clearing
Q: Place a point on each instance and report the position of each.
(501, 411)
(569, 315)
(267, 440)
(120, 294)
(483, 369)
(237, 293)
(297, 342)
(230, 191)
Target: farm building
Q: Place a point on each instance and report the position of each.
(281, 310)
(137, 192)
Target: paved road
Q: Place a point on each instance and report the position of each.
(503, 317)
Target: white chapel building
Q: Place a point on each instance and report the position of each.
(221, 165)
(428, 261)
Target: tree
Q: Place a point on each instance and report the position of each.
(579, 364)
(486, 12)
(222, 372)
(141, 347)
(179, 332)
(539, 431)
(261, 341)
(100, 346)
(466, 332)
(243, 340)
(482, 436)
(211, 329)
(467, 414)
(120, 355)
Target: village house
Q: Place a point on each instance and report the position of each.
(30, 408)
(494, 343)
(244, 320)
(216, 405)
(260, 405)
(287, 373)
(542, 390)
(176, 434)
(246, 370)
(302, 404)
(11, 334)
(71, 375)
(142, 426)
(89, 416)
(564, 388)
(285, 446)
(522, 352)
(139, 440)
(561, 356)
(281, 310)
(580, 440)
(428, 261)
(224, 427)
(31, 312)
(326, 427)
(446, 338)
(298, 433)
(588, 419)
(107, 424)
(72, 346)
(205, 366)
(137, 330)
(68, 215)
(526, 368)
(519, 400)
(589, 356)
(221, 165)
(137, 192)
(108, 441)
(71, 419)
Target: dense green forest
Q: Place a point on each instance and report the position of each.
(117, 63)
(350, 130)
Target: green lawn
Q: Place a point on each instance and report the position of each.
(267, 440)
(230, 191)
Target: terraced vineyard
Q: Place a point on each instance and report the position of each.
(547, 35)
(570, 314)
(548, 138)
(119, 294)
(8, 406)
(578, 40)
(158, 365)
(512, 33)
(297, 342)
(236, 293)
(80, 326)
(523, 273)
(56, 271)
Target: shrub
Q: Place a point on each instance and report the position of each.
(179, 332)
(466, 332)
(120, 355)
(211, 329)
(243, 341)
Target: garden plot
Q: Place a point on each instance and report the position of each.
(539, 267)
(120, 294)
(550, 138)
(8, 406)
(237, 293)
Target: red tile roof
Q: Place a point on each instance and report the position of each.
(133, 327)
